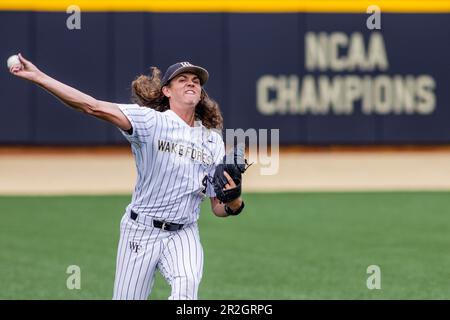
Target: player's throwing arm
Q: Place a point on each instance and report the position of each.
(22, 68)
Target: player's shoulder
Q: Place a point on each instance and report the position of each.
(135, 108)
(216, 144)
(138, 113)
(215, 140)
(215, 135)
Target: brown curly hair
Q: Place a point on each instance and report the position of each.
(146, 92)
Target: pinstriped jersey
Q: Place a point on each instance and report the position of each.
(173, 161)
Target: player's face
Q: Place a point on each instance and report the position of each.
(185, 89)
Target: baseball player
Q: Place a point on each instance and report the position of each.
(179, 160)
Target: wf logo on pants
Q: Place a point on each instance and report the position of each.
(135, 247)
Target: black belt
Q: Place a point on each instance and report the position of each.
(167, 226)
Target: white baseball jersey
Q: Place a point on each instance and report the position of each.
(172, 160)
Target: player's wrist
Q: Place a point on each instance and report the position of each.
(234, 212)
(234, 204)
(39, 78)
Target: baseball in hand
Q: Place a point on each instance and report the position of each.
(13, 60)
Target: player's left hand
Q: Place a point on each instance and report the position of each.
(236, 203)
(231, 184)
(228, 175)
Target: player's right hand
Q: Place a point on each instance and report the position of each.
(26, 70)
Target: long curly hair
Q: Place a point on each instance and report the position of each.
(146, 92)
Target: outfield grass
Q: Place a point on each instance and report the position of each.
(284, 246)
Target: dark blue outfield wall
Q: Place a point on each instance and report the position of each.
(320, 78)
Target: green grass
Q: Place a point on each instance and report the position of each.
(284, 246)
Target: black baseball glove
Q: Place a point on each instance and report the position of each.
(235, 164)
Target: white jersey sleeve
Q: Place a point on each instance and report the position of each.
(218, 157)
(142, 120)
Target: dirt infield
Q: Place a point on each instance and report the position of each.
(112, 170)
